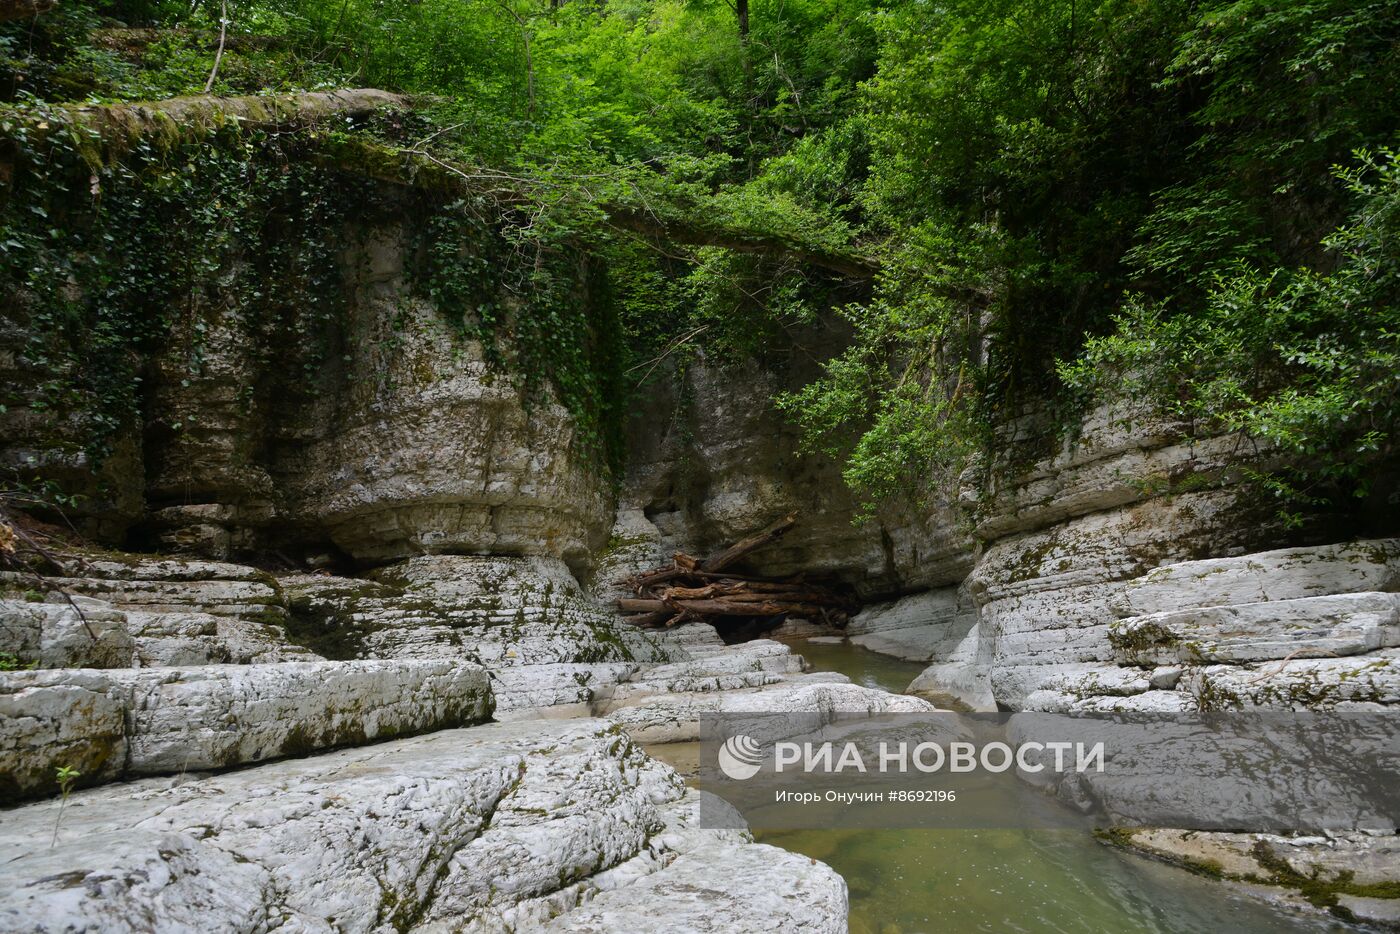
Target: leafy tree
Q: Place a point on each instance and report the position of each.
(1306, 361)
(1050, 190)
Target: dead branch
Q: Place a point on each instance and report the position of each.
(736, 551)
(692, 589)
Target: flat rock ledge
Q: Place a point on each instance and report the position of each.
(500, 611)
(1293, 629)
(1301, 629)
(565, 826)
(1352, 876)
(1335, 624)
(820, 698)
(122, 723)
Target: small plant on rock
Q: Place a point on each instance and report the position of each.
(10, 662)
(66, 775)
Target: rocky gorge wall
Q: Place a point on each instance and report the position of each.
(403, 441)
(381, 433)
(1010, 583)
(377, 432)
(1119, 566)
(246, 782)
(711, 460)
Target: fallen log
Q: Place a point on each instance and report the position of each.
(748, 590)
(642, 605)
(754, 605)
(108, 131)
(692, 589)
(736, 551)
(731, 608)
(650, 620)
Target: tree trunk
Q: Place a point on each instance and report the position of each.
(703, 591)
(736, 551)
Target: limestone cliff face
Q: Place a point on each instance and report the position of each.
(380, 431)
(1004, 587)
(424, 449)
(1066, 533)
(710, 460)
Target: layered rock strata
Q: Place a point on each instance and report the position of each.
(119, 724)
(374, 433)
(505, 826)
(536, 823)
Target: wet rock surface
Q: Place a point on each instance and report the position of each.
(922, 627)
(1347, 875)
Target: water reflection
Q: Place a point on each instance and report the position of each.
(952, 881)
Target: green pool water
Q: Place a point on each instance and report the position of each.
(864, 667)
(952, 881)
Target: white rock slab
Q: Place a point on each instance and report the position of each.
(821, 698)
(498, 611)
(242, 594)
(721, 889)
(921, 627)
(524, 688)
(1301, 684)
(83, 634)
(1344, 624)
(1343, 860)
(452, 831)
(116, 723)
(50, 719)
(194, 638)
(1285, 574)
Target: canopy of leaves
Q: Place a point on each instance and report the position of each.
(1043, 173)
(1195, 188)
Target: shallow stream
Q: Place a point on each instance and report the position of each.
(954, 881)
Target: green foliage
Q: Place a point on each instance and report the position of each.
(65, 776)
(52, 58)
(1308, 362)
(112, 262)
(653, 106)
(1041, 170)
(76, 53)
(1281, 92)
(894, 405)
(10, 662)
(108, 261)
(1012, 147)
(1029, 175)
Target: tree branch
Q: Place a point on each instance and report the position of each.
(22, 9)
(223, 37)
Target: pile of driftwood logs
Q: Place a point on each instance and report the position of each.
(693, 589)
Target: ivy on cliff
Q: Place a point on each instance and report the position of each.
(1307, 361)
(109, 256)
(121, 246)
(1049, 173)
